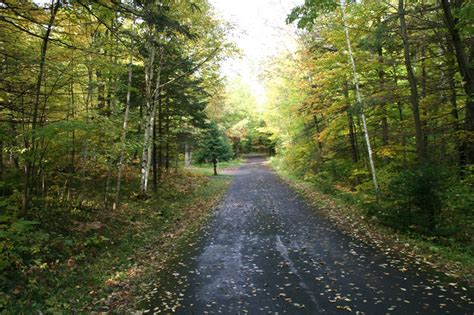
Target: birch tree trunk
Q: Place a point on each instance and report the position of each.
(149, 71)
(187, 154)
(159, 157)
(152, 100)
(152, 125)
(358, 96)
(125, 121)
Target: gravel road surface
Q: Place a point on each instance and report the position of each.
(266, 252)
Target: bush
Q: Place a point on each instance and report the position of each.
(413, 198)
(457, 218)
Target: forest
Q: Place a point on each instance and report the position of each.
(115, 114)
(377, 106)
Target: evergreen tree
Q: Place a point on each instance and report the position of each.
(215, 147)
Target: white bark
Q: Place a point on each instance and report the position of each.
(145, 164)
(152, 100)
(187, 154)
(358, 96)
(152, 122)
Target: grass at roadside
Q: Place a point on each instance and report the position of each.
(118, 250)
(207, 169)
(453, 260)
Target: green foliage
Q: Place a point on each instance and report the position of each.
(54, 266)
(457, 201)
(413, 197)
(240, 115)
(214, 146)
(307, 13)
(315, 118)
(62, 126)
(19, 241)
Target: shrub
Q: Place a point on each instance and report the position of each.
(413, 198)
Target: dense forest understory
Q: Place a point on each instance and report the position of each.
(115, 116)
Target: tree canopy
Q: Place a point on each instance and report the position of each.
(412, 70)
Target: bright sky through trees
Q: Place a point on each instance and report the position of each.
(260, 32)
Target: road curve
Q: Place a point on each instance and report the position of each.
(266, 252)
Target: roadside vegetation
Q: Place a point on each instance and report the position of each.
(376, 109)
(98, 259)
(101, 105)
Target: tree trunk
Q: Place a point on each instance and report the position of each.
(89, 84)
(424, 93)
(187, 154)
(350, 122)
(156, 98)
(100, 91)
(107, 186)
(160, 138)
(451, 74)
(110, 80)
(149, 72)
(1, 160)
(414, 96)
(176, 156)
(30, 164)
(358, 97)
(401, 117)
(72, 168)
(466, 68)
(167, 143)
(214, 162)
(73, 133)
(100, 79)
(318, 130)
(155, 166)
(383, 105)
(125, 121)
(352, 138)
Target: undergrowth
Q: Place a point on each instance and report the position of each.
(73, 257)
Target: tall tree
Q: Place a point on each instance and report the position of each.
(414, 95)
(466, 68)
(358, 96)
(31, 144)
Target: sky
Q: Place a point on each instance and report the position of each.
(260, 32)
